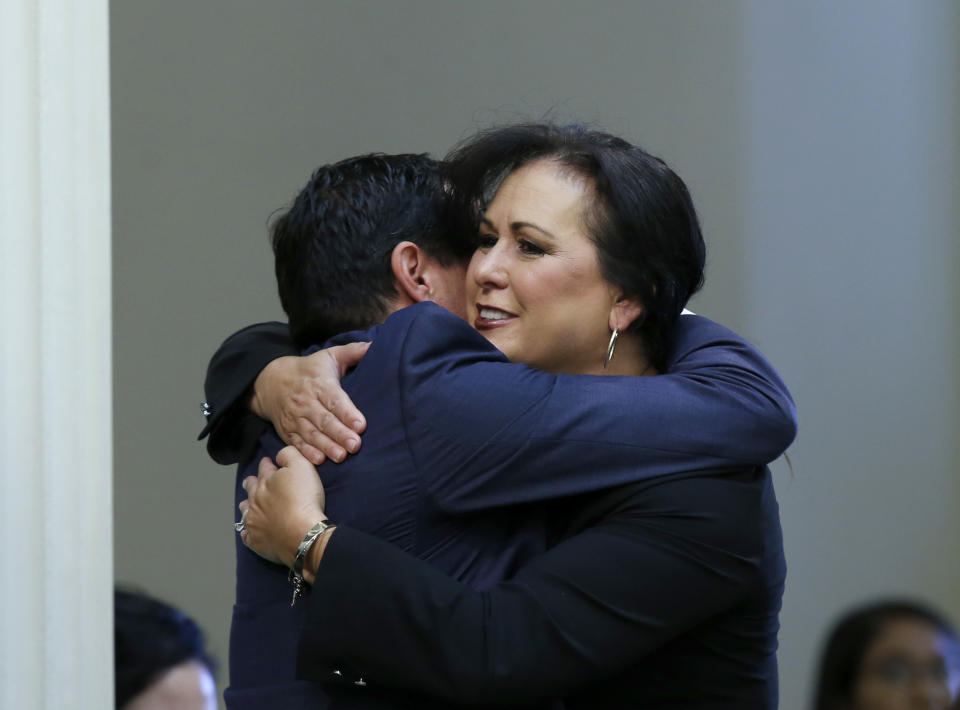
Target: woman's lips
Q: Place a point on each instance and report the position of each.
(489, 317)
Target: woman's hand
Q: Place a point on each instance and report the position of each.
(303, 399)
(282, 505)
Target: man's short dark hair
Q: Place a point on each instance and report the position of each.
(332, 247)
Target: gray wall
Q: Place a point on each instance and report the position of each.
(821, 148)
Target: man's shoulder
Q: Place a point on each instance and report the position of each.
(416, 342)
(431, 333)
(428, 330)
(426, 316)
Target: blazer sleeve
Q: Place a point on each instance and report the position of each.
(586, 610)
(488, 433)
(232, 428)
(721, 404)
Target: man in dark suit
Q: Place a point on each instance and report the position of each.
(365, 236)
(462, 447)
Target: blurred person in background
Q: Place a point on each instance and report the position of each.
(160, 660)
(890, 655)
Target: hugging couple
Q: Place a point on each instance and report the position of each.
(543, 483)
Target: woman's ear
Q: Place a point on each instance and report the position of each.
(625, 311)
(408, 262)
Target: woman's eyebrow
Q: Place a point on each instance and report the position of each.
(515, 226)
(520, 225)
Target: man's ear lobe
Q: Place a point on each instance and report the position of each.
(408, 263)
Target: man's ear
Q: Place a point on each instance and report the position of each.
(624, 312)
(409, 264)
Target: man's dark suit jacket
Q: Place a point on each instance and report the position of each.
(462, 449)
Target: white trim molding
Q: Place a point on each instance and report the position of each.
(56, 600)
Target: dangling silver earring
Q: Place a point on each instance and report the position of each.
(610, 346)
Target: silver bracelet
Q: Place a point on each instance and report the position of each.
(296, 572)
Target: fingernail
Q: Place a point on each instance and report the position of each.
(357, 425)
(353, 445)
(339, 455)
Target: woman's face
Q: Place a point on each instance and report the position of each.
(911, 664)
(534, 287)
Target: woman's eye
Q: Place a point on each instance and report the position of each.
(528, 248)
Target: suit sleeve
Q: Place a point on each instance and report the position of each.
(232, 428)
(488, 433)
(586, 610)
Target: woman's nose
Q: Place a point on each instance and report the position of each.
(490, 270)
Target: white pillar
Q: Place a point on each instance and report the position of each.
(56, 603)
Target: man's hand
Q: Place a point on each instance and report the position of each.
(281, 506)
(303, 399)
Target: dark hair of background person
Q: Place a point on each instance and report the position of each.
(851, 638)
(332, 246)
(151, 637)
(642, 220)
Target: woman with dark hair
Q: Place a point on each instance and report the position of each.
(889, 655)
(632, 210)
(662, 593)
